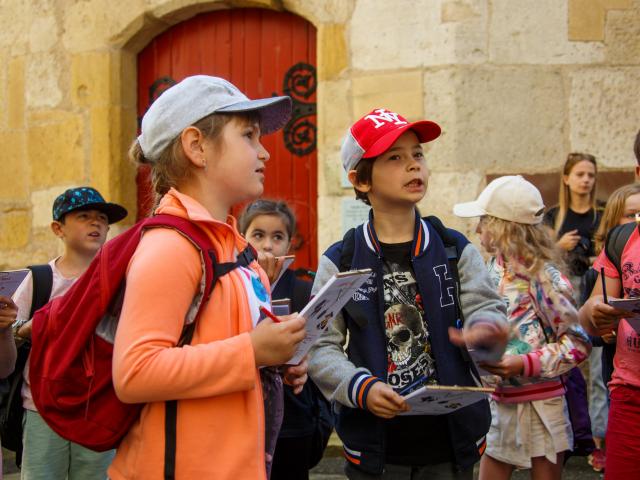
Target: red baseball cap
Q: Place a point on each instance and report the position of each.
(377, 131)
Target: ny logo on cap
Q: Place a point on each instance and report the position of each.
(384, 115)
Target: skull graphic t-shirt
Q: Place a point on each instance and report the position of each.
(410, 440)
(409, 358)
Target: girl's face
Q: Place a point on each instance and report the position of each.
(485, 237)
(268, 233)
(581, 178)
(236, 164)
(631, 207)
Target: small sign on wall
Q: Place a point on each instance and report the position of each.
(354, 212)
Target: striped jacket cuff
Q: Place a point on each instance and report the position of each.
(532, 365)
(359, 388)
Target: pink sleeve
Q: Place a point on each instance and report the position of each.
(603, 262)
(147, 365)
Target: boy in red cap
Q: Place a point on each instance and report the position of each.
(427, 279)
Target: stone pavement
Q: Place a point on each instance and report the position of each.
(330, 468)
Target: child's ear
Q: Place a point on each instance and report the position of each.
(56, 228)
(361, 186)
(192, 141)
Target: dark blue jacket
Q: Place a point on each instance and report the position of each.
(362, 433)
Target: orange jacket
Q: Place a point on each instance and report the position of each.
(220, 427)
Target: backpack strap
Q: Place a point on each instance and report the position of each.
(42, 284)
(355, 311)
(617, 238)
(348, 247)
(213, 271)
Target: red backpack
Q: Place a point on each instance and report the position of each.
(72, 337)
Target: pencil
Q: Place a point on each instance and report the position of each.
(270, 315)
(604, 286)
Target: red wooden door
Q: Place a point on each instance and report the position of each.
(263, 53)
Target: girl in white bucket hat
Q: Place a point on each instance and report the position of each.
(530, 425)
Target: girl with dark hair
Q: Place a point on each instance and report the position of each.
(270, 225)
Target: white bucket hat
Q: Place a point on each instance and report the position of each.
(510, 198)
(196, 97)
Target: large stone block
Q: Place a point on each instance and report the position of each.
(321, 11)
(448, 188)
(16, 94)
(14, 229)
(102, 125)
(43, 34)
(329, 221)
(14, 25)
(91, 24)
(415, 33)
(536, 31)
(91, 75)
(332, 51)
(587, 18)
(400, 92)
(15, 165)
(623, 37)
(496, 119)
(603, 114)
(43, 72)
(334, 114)
(42, 204)
(56, 148)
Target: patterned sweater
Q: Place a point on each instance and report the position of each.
(544, 330)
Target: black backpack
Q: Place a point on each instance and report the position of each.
(11, 410)
(617, 239)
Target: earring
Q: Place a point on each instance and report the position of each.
(204, 165)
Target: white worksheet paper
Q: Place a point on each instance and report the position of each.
(11, 280)
(326, 305)
(440, 399)
(632, 305)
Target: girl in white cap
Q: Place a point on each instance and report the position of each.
(201, 138)
(530, 426)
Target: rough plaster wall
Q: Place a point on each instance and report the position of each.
(510, 81)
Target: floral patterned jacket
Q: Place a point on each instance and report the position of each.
(544, 328)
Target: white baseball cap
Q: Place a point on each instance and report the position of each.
(510, 198)
(196, 97)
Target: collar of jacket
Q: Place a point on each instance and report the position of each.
(420, 236)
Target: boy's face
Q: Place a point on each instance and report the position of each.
(236, 164)
(400, 175)
(83, 231)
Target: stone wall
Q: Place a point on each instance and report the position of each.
(515, 85)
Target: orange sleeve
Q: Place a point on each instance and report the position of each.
(147, 366)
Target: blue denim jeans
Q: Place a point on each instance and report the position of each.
(48, 456)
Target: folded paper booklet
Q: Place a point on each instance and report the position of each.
(442, 399)
(286, 263)
(326, 305)
(11, 280)
(632, 305)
